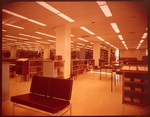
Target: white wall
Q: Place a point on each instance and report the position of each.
(133, 53)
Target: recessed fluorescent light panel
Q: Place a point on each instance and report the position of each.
(100, 38)
(10, 39)
(107, 43)
(104, 7)
(52, 40)
(85, 29)
(141, 41)
(66, 17)
(123, 42)
(22, 17)
(16, 37)
(144, 35)
(83, 39)
(120, 37)
(45, 34)
(101, 3)
(13, 25)
(47, 6)
(4, 30)
(42, 42)
(29, 36)
(106, 10)
(115, 27)
(91, 43)
(52, 9)
(80, 44)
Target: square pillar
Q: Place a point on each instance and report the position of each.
(96, 53)
(46, 51)
(63, 46)
(13, 51)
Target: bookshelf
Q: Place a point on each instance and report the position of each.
(35, 67)
(53, 68)
(78, 66)
(145, 60)
(104, 56)
(135, 87)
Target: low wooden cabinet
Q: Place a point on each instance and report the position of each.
(135, 87)
(22, 67)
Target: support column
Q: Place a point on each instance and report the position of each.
(96, 53)
(13, 51)
(63, 46)
(46, 51)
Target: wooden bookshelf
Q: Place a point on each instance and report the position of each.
(88, 54)
(104, 56)
(135, 87)
(78, 66)
(29, 54)
(145, 60)
(35, 67)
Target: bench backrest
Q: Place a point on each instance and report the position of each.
(53, 87)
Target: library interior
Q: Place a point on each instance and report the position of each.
(75, 58)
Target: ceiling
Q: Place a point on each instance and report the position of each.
(130, 17)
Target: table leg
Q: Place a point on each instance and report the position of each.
(111, 81)
(100, 73)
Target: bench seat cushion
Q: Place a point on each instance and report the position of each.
(41, 102)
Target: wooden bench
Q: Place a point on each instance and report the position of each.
(47, 94)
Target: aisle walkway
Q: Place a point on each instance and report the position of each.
(90, 96)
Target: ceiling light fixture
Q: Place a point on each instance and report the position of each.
(42, 42)
(72, 42)
(45, 34)
(4, 30)
(47, 6)
(14, 14)
(107, 43)
(16, 37)
(100, 38)
(101, 3)
(141, 41)
(91, 43)
(22, 17)
(115, 27)
(52, 40)
(104, 7)
(52, 9)
(10, 39)
(66, 17)
(123, 42)
(106, 10)
(120, 37)
(144, 35)
(13, 25)
(80, 44)
(29, 36)
(83, 39)
(72, 35)
(85, 29)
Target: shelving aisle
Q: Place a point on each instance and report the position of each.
(90, 96)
